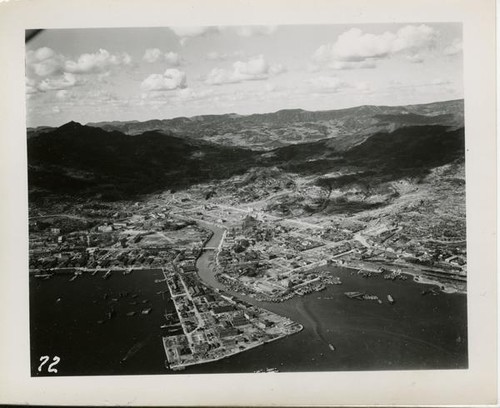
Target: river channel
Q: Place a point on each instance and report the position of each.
(70, 319)
(417, 332)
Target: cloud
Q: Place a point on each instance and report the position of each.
(363, 86)
(222, 56)
(172, 58)
(254, 69)
(189, 94)
(440, 81)
(327, 83)
(250, 31)
(187, 32)
(44, 62)
(30, 85)
(276, 69)
(153, 55)
(340, 65)
(62, 94)
(415, 58)
(170, 80)
(97, 62)
(217, 56)
(454, 48)
(67, 80)
(333, 84)
(356, 47)
(193, 31)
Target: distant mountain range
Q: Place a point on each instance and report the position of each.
(292, 126)
(119, 159)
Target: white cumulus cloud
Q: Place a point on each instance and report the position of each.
(30, 85)
(67, 80)
(221, 56)
(365, 64)
(152, 55)
(171, 79)
(44, 61)
(97, 62)
(62, 94)
(189, 94)
(454, 48)
(356, 47)
(193, 31)
(187, 32)
(250, 31)
(254, 69)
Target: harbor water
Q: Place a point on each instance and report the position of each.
(71, 319)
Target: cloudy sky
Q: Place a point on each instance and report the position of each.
(90, 75)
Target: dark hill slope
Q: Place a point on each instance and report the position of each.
(410, 147)
(82, 159)
(75, 157)
(413, 149)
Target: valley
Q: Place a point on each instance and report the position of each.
(377, 190)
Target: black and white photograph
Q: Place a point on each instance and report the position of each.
(248, 203)
(246, 199)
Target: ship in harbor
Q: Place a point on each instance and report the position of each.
(267, 370)
(390, 299)
(354, 295)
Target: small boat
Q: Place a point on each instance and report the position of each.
(267, 370)
(146, 311)
(331, 347)
(43, 275)
(354, 295)
(390, 299)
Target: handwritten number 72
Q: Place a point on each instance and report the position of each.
(45, 359)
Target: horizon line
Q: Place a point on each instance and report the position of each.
(249, 114)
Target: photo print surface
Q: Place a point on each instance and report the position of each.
(240, 199)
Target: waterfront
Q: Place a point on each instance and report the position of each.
(417, 332)
(70, 328)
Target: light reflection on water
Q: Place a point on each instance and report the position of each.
(417, 332)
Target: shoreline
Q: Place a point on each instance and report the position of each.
(179, 367)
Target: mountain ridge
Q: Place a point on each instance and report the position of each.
(266, 131)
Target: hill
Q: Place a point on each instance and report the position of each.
(80, 159)
(293, 126)
(77, 158)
